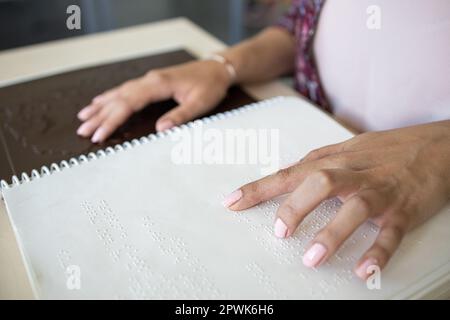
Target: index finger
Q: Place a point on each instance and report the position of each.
(281, 182)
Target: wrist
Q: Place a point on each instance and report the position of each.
(226, 66)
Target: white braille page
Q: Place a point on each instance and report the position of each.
(134, 224)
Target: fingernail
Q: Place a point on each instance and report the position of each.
(232, 198)
(82, 130)
(98, 135)
(314, 254)
(280, 229)
(82, 115)
(164, 125)
(361, 271)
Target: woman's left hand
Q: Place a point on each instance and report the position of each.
(397, 178)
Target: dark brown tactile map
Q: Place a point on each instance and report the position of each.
(38, 118)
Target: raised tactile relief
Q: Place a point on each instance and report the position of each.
(38, 120)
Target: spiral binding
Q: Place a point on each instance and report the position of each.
(75, 161)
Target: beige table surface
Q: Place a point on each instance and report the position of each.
(34, 61)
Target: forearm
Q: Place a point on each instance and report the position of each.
(263, 57)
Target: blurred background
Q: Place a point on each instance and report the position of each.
(24, 22)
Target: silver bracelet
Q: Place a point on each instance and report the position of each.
(227, 64)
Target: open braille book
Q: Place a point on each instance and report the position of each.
(144, 219)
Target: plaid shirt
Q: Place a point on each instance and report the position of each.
(301, 20)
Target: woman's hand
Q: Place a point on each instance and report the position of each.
(196, 86)
(397, 178)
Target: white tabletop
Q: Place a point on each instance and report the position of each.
(35, 61)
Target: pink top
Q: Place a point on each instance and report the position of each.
(374, 78)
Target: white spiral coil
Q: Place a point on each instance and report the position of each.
(63, 165)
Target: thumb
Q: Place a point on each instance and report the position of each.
(184, 112)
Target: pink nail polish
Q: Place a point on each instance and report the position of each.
(314, 254)
(280, 229)
(81, 114)
(164, 125)
(81, 130)
(97, 135)
(362, 270)
(232, 198)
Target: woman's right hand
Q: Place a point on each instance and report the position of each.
(197, 87)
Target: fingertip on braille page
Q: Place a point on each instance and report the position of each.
(363, 270)
(232, 198)
(314, 255)
(280, 229)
